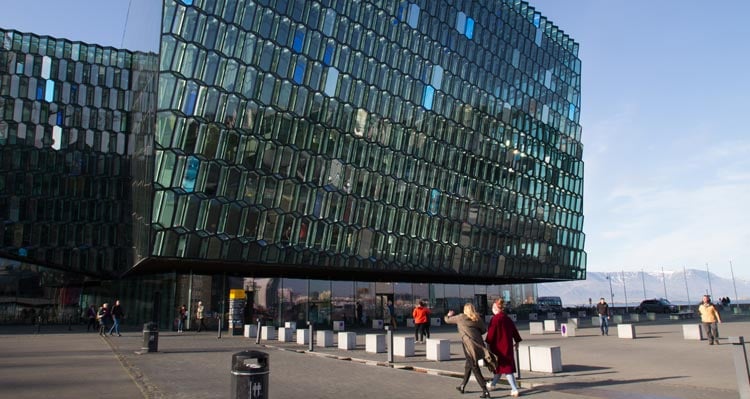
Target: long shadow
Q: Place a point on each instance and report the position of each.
(577, 385)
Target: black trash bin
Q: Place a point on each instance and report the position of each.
(250, 375)
(150, 337)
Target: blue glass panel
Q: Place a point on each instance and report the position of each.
(537, 20)
(39, 92)
(189, 105)
(328, 55)
(299, 40)
(299, 71)
(400, 13)
(413, 20)
(59, 118)
(429, 97)
(188, 2)
(571, 112)
(470, 28)
(461, 22)
(332, 80)
(318, 204)
(434, 202)
(49, 91)
(191, 173)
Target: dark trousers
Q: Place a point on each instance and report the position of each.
(420, 331)
(712, 332)
(91, 325)
(470, 366)
(201, 325)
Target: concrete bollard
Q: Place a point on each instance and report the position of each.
(741, 366)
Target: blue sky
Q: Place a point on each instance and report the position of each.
(665, 96)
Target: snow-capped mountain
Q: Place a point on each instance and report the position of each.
(677, 286)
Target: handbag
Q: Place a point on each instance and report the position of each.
(490, 360)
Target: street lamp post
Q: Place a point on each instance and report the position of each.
(611, 293)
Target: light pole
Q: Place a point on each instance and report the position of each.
(664, 281)
(643, 279)
(625, 291)
(611, 293)
(687, 291)
(731, 269)
(708, 275)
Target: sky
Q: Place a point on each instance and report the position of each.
(665, 94)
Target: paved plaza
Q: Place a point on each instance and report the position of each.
(658, 364)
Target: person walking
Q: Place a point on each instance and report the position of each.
(392, 315)
(502, 338)
(709, 318)
(181, 318)
(199, 317)
(103, 315)
(470, 329)
(602, 308)
(91, 315)
(117, 315)
(420, 315)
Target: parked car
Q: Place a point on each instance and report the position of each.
(656, 306)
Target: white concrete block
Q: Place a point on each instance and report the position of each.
(545, 359)
(635, 317)
(595, 321)
(692, 331)
(438, 349)
(302, 337)
(568, 330)
(377, 324)
(573, 321)
(626, 331)
(292, 325)
(617, 319)
(285, 334)
(375, 343)
(347, 340)
(533, 316)
(338, 325)
(403, 346)
(524, 359)
(651, 316)
(251, 331)
(324, 338)
(550, 325)
(268, 332)
(536, 327)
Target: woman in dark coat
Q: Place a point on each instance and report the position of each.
(502, 336)
(470, 328)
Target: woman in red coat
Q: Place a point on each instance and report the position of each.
(502, 336)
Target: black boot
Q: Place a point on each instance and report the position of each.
(485, 394)
(460, 388)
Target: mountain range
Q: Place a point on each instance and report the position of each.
(679, 287)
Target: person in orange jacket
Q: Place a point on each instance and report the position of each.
(421, 315)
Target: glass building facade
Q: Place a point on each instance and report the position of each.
(314, 154)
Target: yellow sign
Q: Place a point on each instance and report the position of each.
(236, 294)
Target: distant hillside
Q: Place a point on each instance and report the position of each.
(574, 293)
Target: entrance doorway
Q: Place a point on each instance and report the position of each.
(480, 301)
